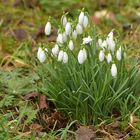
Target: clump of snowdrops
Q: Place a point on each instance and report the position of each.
(86, 76)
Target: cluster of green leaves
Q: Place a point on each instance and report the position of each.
(88, 92)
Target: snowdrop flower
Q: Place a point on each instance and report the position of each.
(104, 44)
(65, 57)
(101, 56)
(55, 50)
(118, 55)
(68, 28)
(41, 55)
(110, 35)
(64, 20)
(113, 70)
(48, 28)
(79, 29)
(85, 53)
(74, 34)
(81, 57)
(71, 45)
(87, 40)
(81, 18)
(109, 58)
(64, 37)
(111, 45)
(60, 56)
(60, 38)
(85, 21)
(100, 42)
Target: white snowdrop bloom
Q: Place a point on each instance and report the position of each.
(85, 54)
(113, 70)
(109, 58)
(110, 35)
(60, 38)
(71, 45)
(48, 28)
(81, 57)
(81, 18)
(118, 55)
(74, 34)
(79, 29)
(87, 40)
(85, 21)
(60, 56)
(68, 28)
(65, 57)
(64, 37)
(104, 44)
(100, 42)
(111, 45)
(64, 20)
(41, 55)
(55, 50)
(101, 56)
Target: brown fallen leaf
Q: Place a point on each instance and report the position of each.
(19, 34)
(30, 95)
(42, 102)
(84, 133)
(36, 127)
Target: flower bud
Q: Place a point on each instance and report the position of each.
(64, 20)
(118, 55)
(109, 58)
(81, 18)
(60, 55)
(85, 22)
(101, 56)
(65, 57)
(79, 29)
(113, 70)
(60, 38)
(110, 35)
(87, 40)
(81, 57)
(74, 34)
(68, 28)
(41, 55)
(85, 54)
(100, 42)
(64, 37)
(48, 28)
(55, 50)
(71, 45)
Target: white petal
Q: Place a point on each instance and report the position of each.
(81, 18)
(41, 55)
(64, 37)
(64, 21)
(118, 55)
(87, 40)
(101, 56)
(65, 57)
(60, 55)
(79, 29)
(85, 22)
(48, 28)
(68, 28)
(113, 70)
(60, 38)
(85, 54)
(100, 42)
(81, 57)
(74, 34)
(109, 58)
(71, 45)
